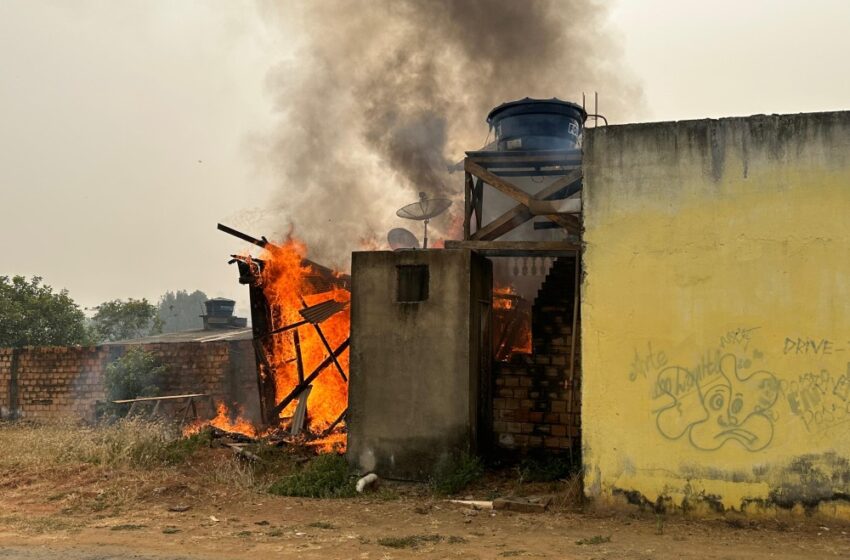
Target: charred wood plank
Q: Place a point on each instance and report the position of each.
(467, 203)
(517, 248)
(309, 379)
(243, 236)
(286, 328)
(334, 424)
(299, 360)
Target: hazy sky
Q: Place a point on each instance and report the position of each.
(129, 128)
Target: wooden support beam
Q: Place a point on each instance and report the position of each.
(479, 203)
(467, 204)
(520, 213)
(286, 328)
(309, 379)
(497, 182)
(330, 351)
(517, 248)
(299, 360)
(166, 398)
(537, 158)
(185, 414)
(570, 223)
(326, 344)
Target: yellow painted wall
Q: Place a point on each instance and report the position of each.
(716, 312)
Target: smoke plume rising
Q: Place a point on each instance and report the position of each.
(384, 95)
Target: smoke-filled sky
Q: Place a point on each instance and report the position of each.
(128, 129)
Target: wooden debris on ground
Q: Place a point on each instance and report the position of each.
(528, 504)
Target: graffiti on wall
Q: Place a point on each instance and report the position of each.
(717, 404)
(820, 400)
(728, 395)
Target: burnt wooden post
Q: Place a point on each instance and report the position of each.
(260, 322)
(467, 204)
(479, 203)
(299, 360)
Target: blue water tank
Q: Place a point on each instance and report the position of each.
(537, 124)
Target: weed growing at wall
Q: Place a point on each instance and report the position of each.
(454, 474)
(544, 468)
(325, 476)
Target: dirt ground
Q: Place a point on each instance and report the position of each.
(85, 513)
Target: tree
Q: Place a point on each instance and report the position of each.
(31, 314)
(137, 373)
(125, 320)
(181, 311)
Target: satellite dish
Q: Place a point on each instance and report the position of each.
(424, 210)
(400, 238)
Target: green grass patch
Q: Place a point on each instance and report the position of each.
(410, 541)
(126, 527)
(326, 476)
(455, 540)
(598, 539)
(454, 474)
(545, 468)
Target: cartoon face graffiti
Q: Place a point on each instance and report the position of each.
(720, 407)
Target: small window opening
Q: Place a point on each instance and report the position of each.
(412, 283)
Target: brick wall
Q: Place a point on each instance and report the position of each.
(537, 402)
(56, 382)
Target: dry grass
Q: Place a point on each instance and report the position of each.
(107, 470)
(128, 443)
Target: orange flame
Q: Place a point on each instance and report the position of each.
(224, 420)
(289, 284)
(504, 297)
(512, 323)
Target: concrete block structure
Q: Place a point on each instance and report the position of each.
(716, 313)
(420, 360)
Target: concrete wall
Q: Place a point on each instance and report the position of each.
(62, 382)
(417, 383)
(716, 312)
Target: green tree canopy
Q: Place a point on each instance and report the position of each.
(181, 311)
(125, 320)
(137, 373)
(31, 314)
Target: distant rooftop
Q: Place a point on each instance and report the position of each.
(198, 335)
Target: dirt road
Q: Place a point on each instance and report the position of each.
(270, 526)
(212, 505)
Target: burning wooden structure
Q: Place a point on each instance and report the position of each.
(300, 322)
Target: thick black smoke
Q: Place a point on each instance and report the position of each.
(384, 95)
